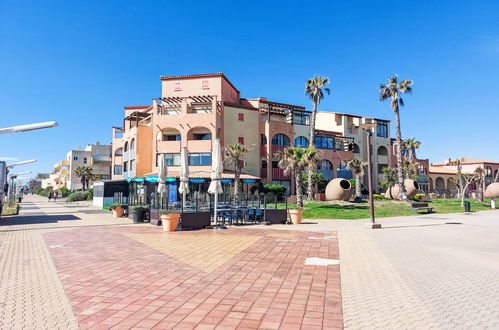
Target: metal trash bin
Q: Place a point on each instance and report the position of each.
(467, 206)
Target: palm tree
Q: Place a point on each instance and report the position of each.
(85, 174)
(409, 148)
(295, 160)
(235, 152)
(392, 91)
(315, 89)
(357, 167)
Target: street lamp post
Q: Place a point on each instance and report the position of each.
(28, 127)
(372, 224)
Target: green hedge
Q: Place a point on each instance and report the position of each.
(78, 196)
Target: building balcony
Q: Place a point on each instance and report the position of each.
(278, 174)
(278, 148)
(60, 164)
(199, 146)
(169, 146)
(101, 159)
(382, 159)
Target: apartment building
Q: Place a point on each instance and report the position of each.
(97, 156)
(195, 109)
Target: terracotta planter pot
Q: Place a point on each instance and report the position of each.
(295, 215)
(118, 212)
(170, 221)
(492, 190)
(338, 189)
(411, 186)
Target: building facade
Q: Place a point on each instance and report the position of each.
(97, 156)
(193, 110)
(348, 125)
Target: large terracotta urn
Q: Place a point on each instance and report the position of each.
(492, 190)
(338, 190)
(411, 186)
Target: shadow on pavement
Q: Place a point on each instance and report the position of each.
(423, 225)
(36, 219)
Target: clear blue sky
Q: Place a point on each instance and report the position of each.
(79, 62)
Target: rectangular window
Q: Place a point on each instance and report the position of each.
(275, 164)
(240, 116)
(264, 163)
(171, 159)
(178, 86)
(300, 118)
(324, 142)
(240, 140)
(117, 169)
(381, 128)
(75, 158)
(205, 84)
(125, 167)
(171, 137)
(84, 160)
(200, 159)
(201, 136)
(132, 164)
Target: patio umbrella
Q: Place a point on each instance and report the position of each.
(184, 175)
(162, 174)
(215, 187)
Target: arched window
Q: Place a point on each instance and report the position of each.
(169, 134)
(280, 140)
(342, 172)
(326, 168)
(382, 151)
(118, 152)
(450, 184)
(301, 141)
(126, 146)
(439, 183)
(488, 171)
(356, 149)
(132, 144)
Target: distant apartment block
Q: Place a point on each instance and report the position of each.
(96, 156)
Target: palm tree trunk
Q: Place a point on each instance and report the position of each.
(357, 186)
(237, 175)
(310, 184)
(298, 183)
(400, 169)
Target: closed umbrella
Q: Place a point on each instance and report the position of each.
(215, 187)
(162, 174)
(184, 175)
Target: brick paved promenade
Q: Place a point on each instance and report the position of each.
(112, 274)
(68, 266)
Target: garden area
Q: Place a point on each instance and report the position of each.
(383, 208)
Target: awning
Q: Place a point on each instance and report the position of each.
(205, 174)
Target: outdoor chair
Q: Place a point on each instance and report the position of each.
(258, 214)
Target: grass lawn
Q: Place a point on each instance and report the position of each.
(328, 210)
(9, 210)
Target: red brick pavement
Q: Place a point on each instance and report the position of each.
(115, 281)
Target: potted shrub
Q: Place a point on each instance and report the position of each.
(118, 210)
(297, 159)
(137, 213)
(296, 214)
(169, 220)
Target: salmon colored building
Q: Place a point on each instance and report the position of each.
(193, 110)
